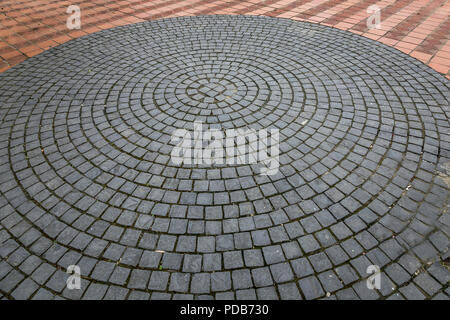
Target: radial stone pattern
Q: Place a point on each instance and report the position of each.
(87, 179)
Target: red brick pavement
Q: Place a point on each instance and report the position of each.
(420, 28)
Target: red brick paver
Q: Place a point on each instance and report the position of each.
(420, 28)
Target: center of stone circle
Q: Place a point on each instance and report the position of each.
(211, 89)
(211, 92)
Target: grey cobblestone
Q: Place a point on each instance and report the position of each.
(88, 179)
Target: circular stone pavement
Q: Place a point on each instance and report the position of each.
(87, 180)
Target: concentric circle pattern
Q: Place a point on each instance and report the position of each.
(87, 178)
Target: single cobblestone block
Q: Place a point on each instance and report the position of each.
(138, 279)
(192, 263)
(43, 294)
(289, 291)
(201, 283)
(311, 287)
(225, 296)
(427, 283)
(363, 292)
(25, 290)
(247, 294)
(220, 281)
(158, 280)
(281, 272)
(309, 244)
(439, 272)
(179, 282)
(172, 261)
(347, 294)
(268, 293)
(150, 259)
(96, 291)
(320, 262)
(397, 274)
(411, 292)
(116, 293)
(138, 295)
(273, 254)
(102, 270)
(262, 277)
(43, 273)
(57, 281)
(119, 275)
(233, 260)
(241, 279)
(253, 258)
(330, 281)
(302, 267)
